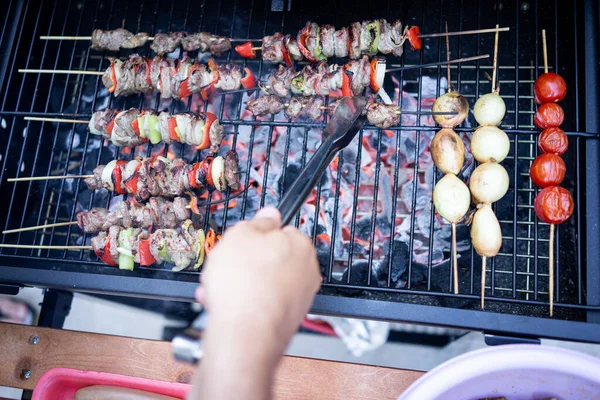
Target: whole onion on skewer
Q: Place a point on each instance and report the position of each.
(453, 102)
(448, 151)
(489, 182)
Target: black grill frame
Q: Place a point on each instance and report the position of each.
(84, 275)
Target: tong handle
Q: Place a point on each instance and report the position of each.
(297, 193)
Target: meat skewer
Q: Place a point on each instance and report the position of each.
(381, 115)
(317, 43)
(133, 127)
(158, 212)
(158, 176)
(553, 204)
(183, 245)
(114, 40)
(162, 43)
(179, 79)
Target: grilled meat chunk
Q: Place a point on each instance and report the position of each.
(205, 41)
(397, 38)
(265, 105)
(164, 43)
(271, 49)
(383, 115)
(117, 39)
(123, 133)
(230, 76)
(232, 170)
(294, 107)
(327, 40)
(340, 38)
(280, 80)
(312, 107)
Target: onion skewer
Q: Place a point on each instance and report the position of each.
(451, 195)
(490, 181)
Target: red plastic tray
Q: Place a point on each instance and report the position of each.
(62, 383)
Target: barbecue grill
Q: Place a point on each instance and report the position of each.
(383, 251)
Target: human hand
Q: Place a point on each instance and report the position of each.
(260, 275)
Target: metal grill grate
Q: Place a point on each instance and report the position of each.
(357, 224)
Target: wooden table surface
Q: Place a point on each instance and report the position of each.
(297, 378)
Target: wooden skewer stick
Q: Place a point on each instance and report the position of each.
(448, 58)
(435, 64)
(43, 247)
(545, 51)
(495, 63)
(66, 120)
(60, 71)
(454, 259)
(469, 32)
(427, 35)
(551, 269)
(33, 228)
(151, 38)
(47, 178)
(483, 261)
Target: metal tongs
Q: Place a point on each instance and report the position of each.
(343, 127)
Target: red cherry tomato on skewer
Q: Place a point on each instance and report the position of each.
(554, 141)
(547, 170)
(554, 205)
(549, 115)
(549, 88)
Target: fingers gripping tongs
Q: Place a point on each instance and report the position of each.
(343, 127)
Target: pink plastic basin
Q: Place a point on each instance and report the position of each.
(62, 383)
(518, 372)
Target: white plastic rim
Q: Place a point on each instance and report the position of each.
(498, 368)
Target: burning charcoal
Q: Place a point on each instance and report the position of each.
(285, 181)
(358, 275)
(349, 172)
(363, 228)
(399, 263)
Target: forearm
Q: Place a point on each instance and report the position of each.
(239, 362)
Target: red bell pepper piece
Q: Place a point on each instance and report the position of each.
(210, 241)
(135, 126)
(286, 54)
(148, 75)
(192, 176)
(146, 257)
(184, 88)
(113, 79)
(172, 123)
(111, 126)
(302, 47)
(210, 118)
(117, 177)
(104, 254)
(248, 81)
(206, 165)
(373, 80)
(245, 50)
(193, 203)
(131, 183)
(207, 92)
(413, 34)
(347, 83)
